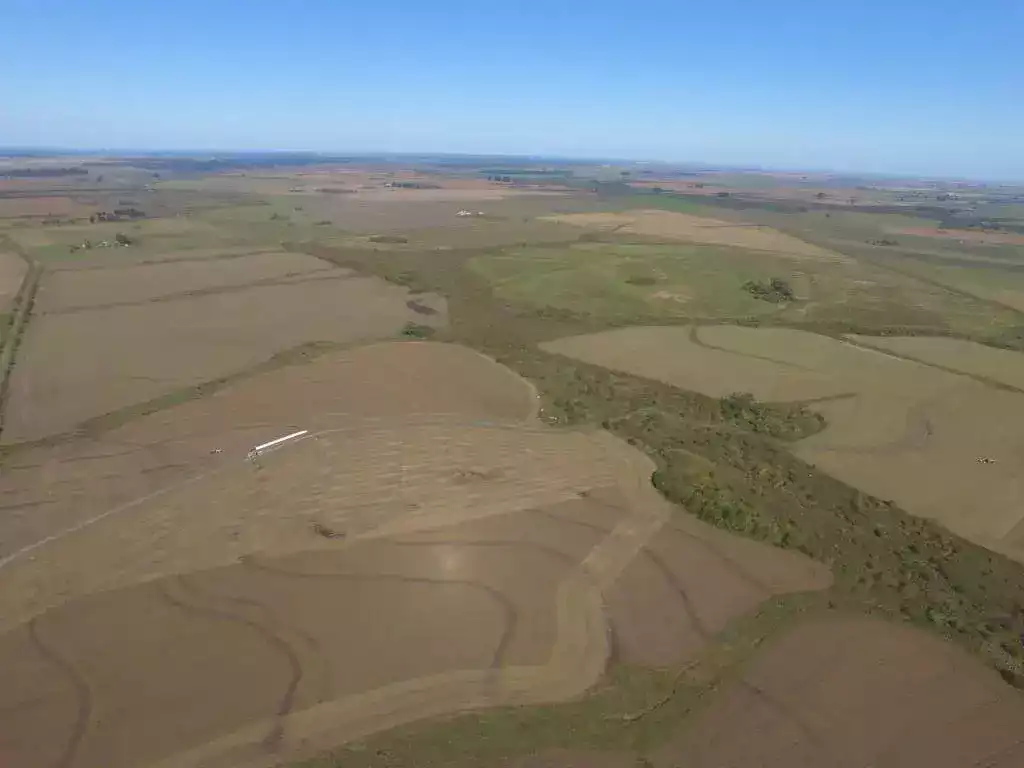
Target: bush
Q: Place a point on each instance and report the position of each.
(414, 331)
(776, 290)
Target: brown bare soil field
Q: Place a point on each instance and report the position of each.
(386, 568)
(856, 691)
(698, 229)
(670, 354)
(999, 365)
(44, 205)
(898, 429)
(12, 271)
(114, 258)
(51, 489)
(984, 237)
(73, 289)
(75, 366)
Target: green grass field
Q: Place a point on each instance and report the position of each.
(620, 281)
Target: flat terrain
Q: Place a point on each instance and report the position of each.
(12, 271)
(506, 529)
(856, 692)
(897, 429)
(554, 534)
(699, 229)
(622, 282)
(108, 339)
(73, 289)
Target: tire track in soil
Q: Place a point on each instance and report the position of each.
(509, 612)
(83, 696)
(945, 369)
(673, 583)
(659, 563)
(645, 551)
(829, 756)
(698, 341)
(918, 431)
(150, 262)
(320, 275)
(272, 638)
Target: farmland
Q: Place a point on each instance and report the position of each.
(624, 476)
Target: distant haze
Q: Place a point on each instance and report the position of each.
(920, 88)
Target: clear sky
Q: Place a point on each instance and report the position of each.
(904, 86)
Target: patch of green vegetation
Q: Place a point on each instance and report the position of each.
(624, 281)
(785, 421)
(415, 331)
(775, 291)
(394, 239)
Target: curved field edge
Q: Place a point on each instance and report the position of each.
(633, 709)
(728, 466)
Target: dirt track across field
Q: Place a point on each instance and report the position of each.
(429, 548)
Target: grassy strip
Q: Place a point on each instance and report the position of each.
(633, 710)
(23, 303)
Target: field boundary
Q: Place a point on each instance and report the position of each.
(24, 302)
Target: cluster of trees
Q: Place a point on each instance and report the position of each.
(507, 179)
(29, 173)
(118, 214)
(776, 290)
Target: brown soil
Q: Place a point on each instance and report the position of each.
(42, 206)
(74, 289)
(683, 226)
(388, 384)
(857, 692)
(570, 758)
(73, 367)
(509, 532)
(689, 582)
(897, 429)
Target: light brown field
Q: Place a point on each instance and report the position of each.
(698, 229)
(43, 206)
(75, 366)
(856, 692)
(75, 289)
(477, 551)
(897, 429)
(13, 269)
(999, 365)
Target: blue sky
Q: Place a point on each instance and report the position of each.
(904, 86)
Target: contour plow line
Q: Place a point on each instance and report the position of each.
(578, 659)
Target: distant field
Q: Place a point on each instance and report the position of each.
(897, 429)
(12, 271)
(80, 288)
(681, 226)
(76, 366)
(687, 572)
(620, 281)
